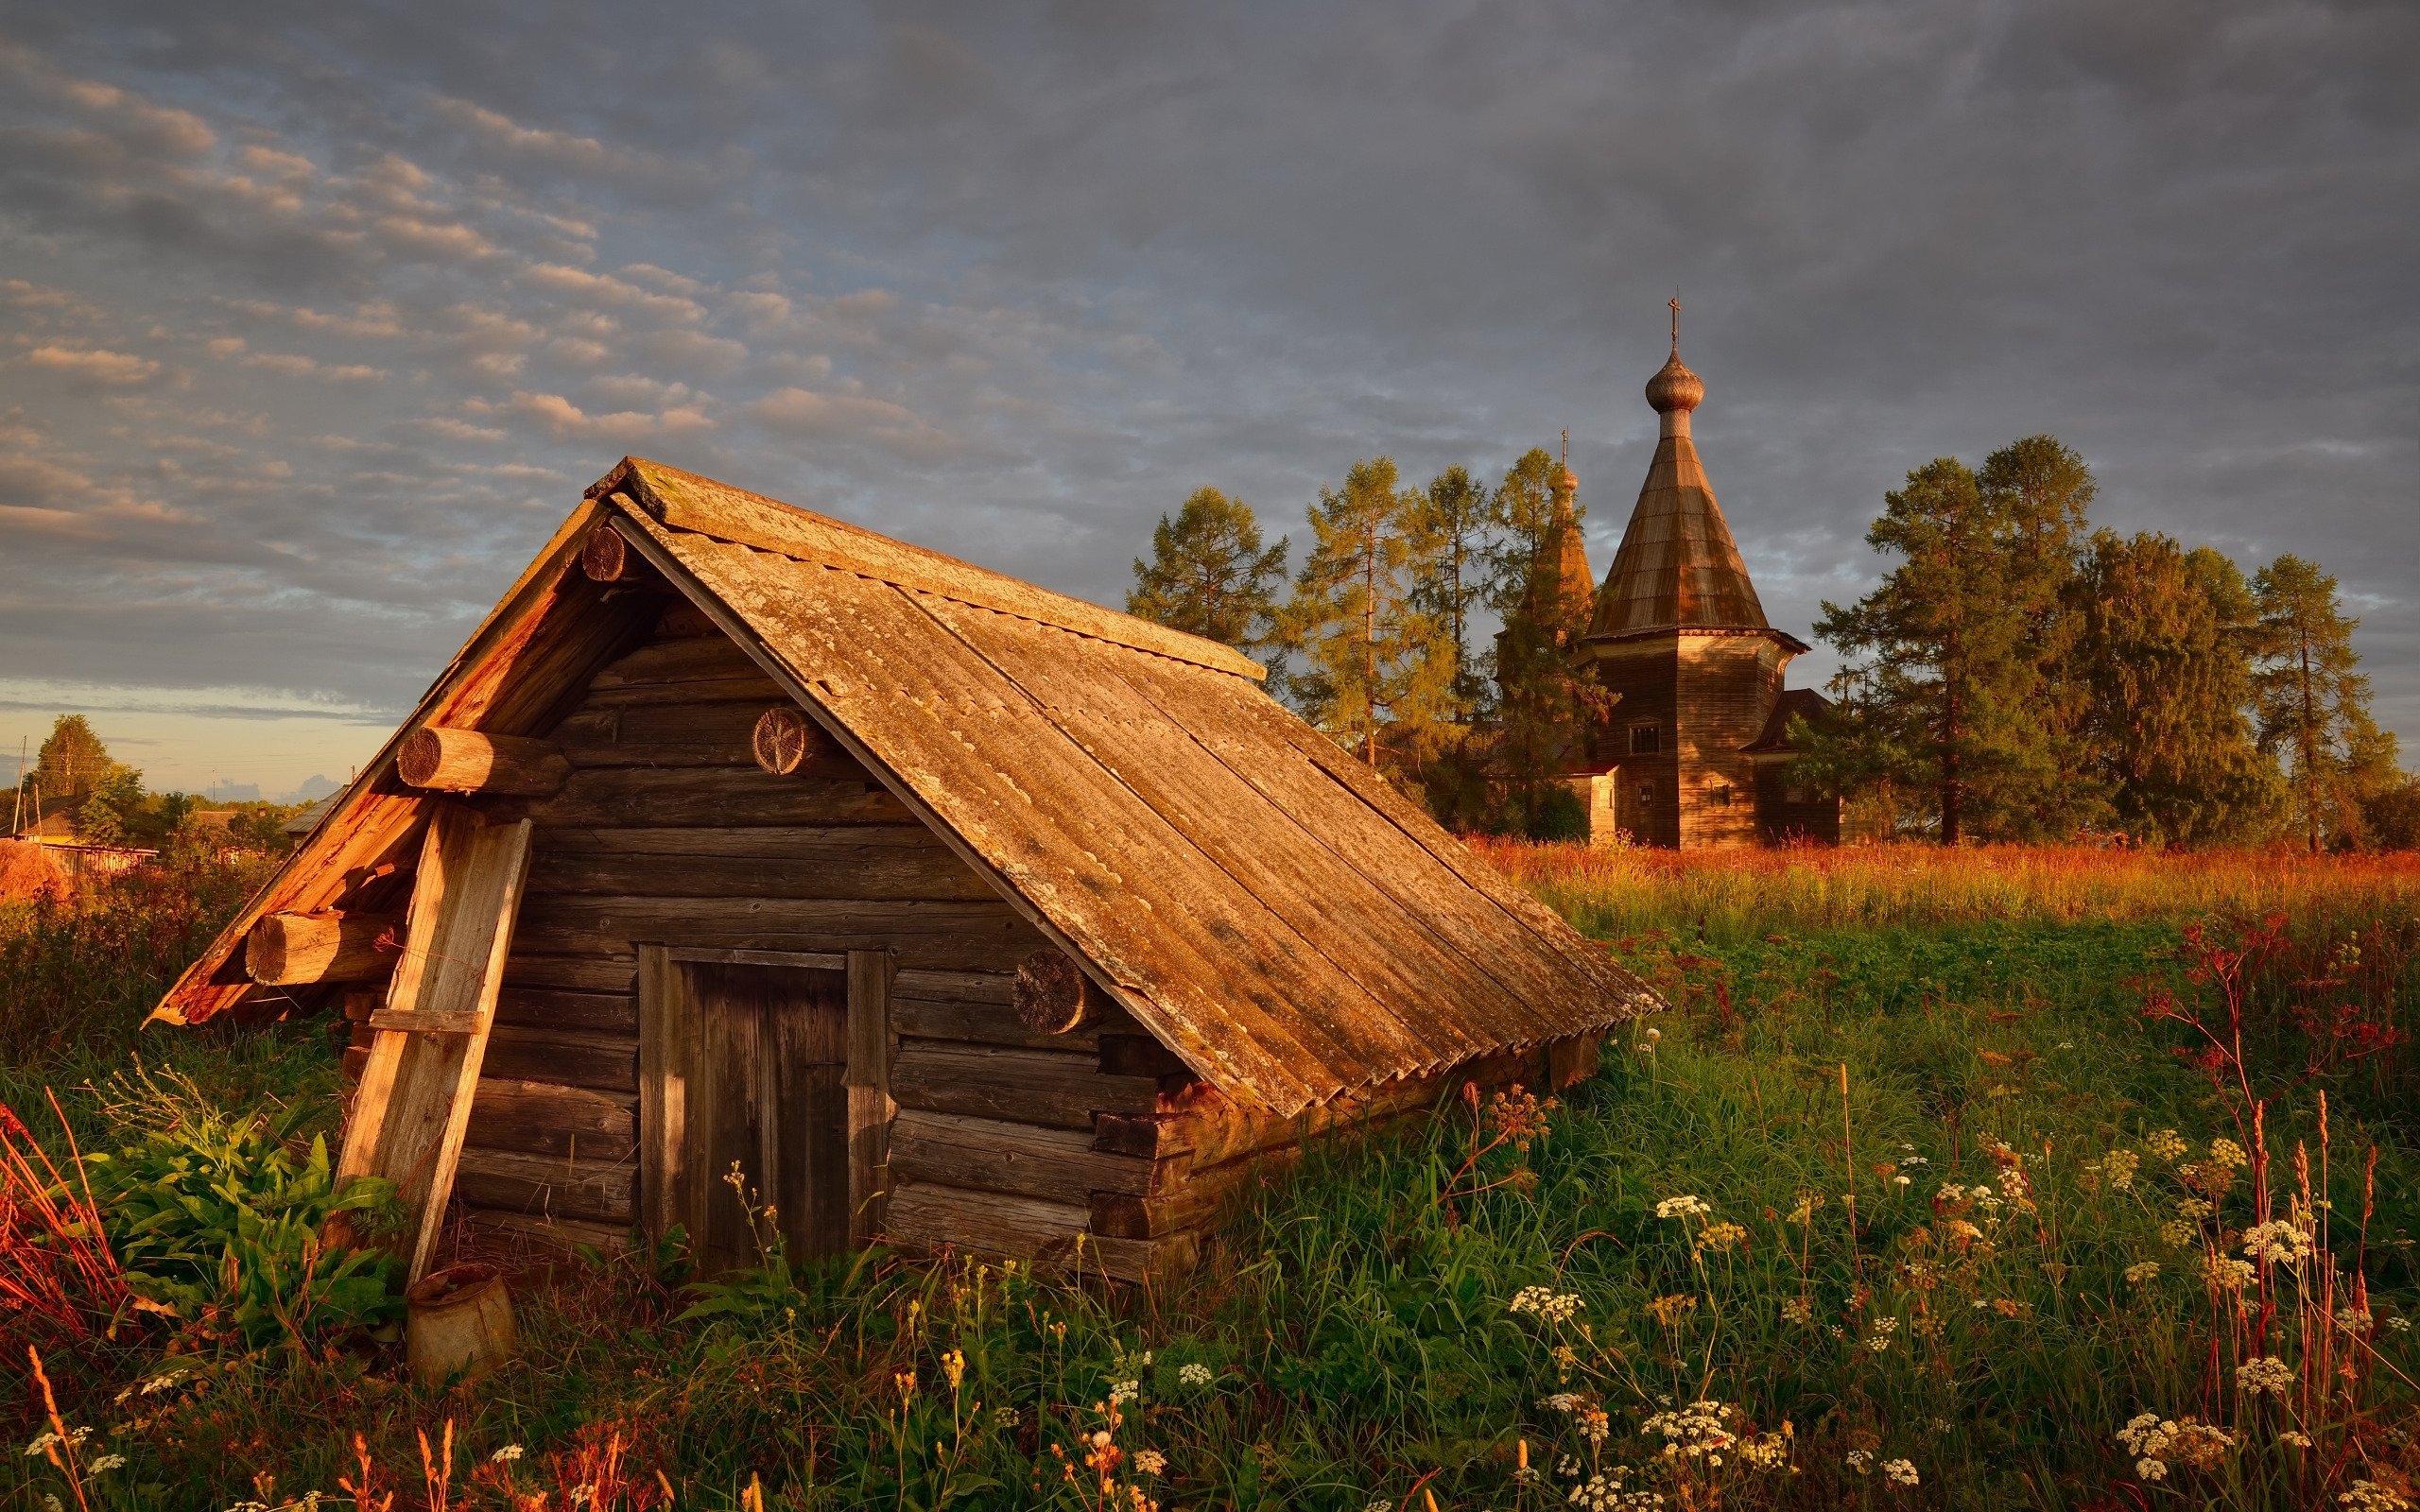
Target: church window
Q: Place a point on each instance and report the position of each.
(1646, 795)
(1645, 740)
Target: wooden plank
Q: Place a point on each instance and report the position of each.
(867, 1079)
(1056, 1164)
(928, 1215)
(832, 871)
(613, 972)
(422, 1020)
(664, 1034)
(686, 502)
(415, 1098)
(722, 796)
(542, 1118)
(608, 1013)
(684, 661)
(766, 841)
(759, 690)
(950, 935)
(1058, 1091)
(992, 1024)
(807, 1046)
(955, 986)
(607, 1062)
(803, 960)
(596, 1191)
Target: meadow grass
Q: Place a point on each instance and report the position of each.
(1864, 1221)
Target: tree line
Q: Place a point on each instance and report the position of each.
(2018, 674)
(1376, 637)
(105, 802)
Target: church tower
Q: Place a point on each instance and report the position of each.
(1693, 755)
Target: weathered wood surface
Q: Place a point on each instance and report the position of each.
(686, 502)
(494, 1232)
(835, 870)
(782, 740)
(867, 1076)
(614, 973)
(1059, 1090)
(665, 1032)
(549, 630)
(609, 1062)
(471, 761)
(606, 559)
(414, 1102)
(997, 1155)
(293, 949)
(944, 935)
(929, 1214)
(543, 1118)
(597, 1191)
(606, 1013)
(990, 1024)
(1053, 995)
(424, 1021)
(731, 796)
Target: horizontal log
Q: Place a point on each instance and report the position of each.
(769, 841)
(685, 659)
(439, 760)
(1017, 1086)
(1056, 1164)
(833, 870)
(928, 1215)
(989, 1023)
(606, 557)
(539, 969)
(611, 1013)
(491, 1231)
(540, 1118)
(718, 796)
(605, 1191)
(950, 935)
(295, 950)
(426, 1021)
(757, 691)
(1201, 1201)
(606, 1063)
(1146, 1261)
(954, 987)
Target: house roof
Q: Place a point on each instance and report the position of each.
(1678, 566)
(1278, 915)
(1794, 703)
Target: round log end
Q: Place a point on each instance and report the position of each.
(1049, 996)
(782, 740)
(265, 949)
(606, 557)
(419, 757)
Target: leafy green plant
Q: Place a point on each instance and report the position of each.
(219, 1221)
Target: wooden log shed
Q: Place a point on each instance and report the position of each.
(944, 908)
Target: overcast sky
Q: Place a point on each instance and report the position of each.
(315, 320)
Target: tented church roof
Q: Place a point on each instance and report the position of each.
(1278, 915)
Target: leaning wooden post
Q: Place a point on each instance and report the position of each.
(440, 759)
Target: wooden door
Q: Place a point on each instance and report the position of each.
(768, 1046)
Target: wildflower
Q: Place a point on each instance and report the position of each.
(507, 1454)
(2400, 1325)
(2166, 1144)
(1719, 1236)
(1668, 1310)
(2193, 1210)
(1546, 1303)
(1695, 1432)
(2118, 1167)
(1565, 1401)
(1879, 1339)
(1122, 1392)
(1004, 1418)
(1950, 1192)
(2176, 1233)
(954, 1367)
(1861, 1460)
(1808, 1203)
(2226, 1154)
(2150, 1469)
(2269, 1374)
(2141, 1271)
(1797, 1310)
(2276, 1243)
(1149, 1461)
(105, 1464)
(1194, 1374)
(1900, 1471)
(1683, 1207)
(2227, 1275)
(2295, 1438)
(2354, 1319)
(2007, 1306)
(2369, 1496)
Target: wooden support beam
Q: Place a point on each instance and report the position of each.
(606, 557)
(414, 1103)
(296, 950)
(422, 1021)
(472, 760)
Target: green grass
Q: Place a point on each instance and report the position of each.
(1357, 1325)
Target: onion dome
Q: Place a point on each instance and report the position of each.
(1674, 387)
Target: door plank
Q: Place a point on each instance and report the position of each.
(416, 1089)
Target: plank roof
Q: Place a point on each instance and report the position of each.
(1282, 918)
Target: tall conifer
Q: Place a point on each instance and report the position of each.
(1209, 575)
(2313, 707)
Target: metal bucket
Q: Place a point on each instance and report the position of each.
(459, 1324)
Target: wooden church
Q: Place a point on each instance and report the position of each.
(943, 909)
(1695, 750)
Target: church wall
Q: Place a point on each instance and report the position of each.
(1724, 689)
(1647, 792)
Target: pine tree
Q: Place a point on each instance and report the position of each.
(1950, 686)
(2161, 664)
(1209, 575)
(1450, 541)
(72, 762)
(1373, 673)
(2313, 707)
(1545, 705)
